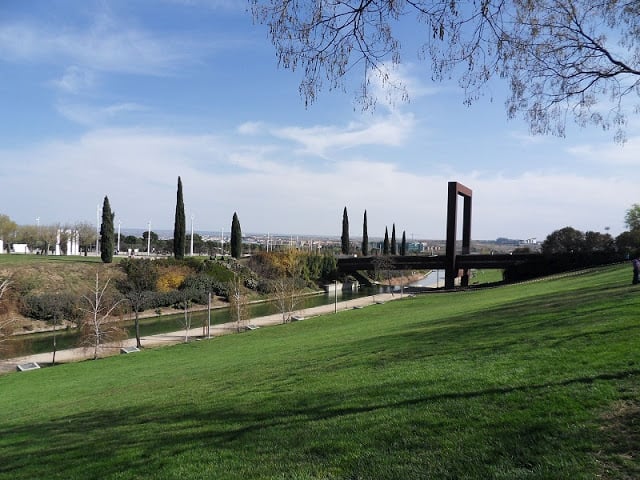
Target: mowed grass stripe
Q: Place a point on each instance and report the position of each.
(512, 382)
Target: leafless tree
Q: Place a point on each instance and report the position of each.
(99, 325)
(185, 320)
(141, 277)
(237, 301)
(286, 295)
(561, 58)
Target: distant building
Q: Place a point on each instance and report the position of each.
(20, 248)
(415, 247)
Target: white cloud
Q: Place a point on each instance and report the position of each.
(251, 128)
(75, 80)
(90, 115)
(274, 190)
(211, 4)
(107, 45)
(535, 204)
(609, 153)
(395, 85)
(393, 130)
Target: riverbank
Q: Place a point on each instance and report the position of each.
(153, 341)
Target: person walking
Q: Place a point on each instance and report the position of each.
(636, 271)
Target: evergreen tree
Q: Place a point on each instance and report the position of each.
(107, 243)
(394, 244)
(403, 245)
(345, 232)
(236, 237)
(365, 237)
(385, 245)
(180, 226)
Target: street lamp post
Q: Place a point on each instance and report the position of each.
(98, 230)
(192, 235)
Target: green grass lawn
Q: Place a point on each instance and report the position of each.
(534, 381)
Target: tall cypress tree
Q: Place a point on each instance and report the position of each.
(236, 237)
(345, 232)
(394, 245)
(365, 237)
(106, 233)
(403, 245)
(179, 226)
(385, 245)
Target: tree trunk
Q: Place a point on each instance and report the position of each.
(137, 325)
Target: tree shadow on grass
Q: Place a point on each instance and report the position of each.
(393, 422)
(150, 442)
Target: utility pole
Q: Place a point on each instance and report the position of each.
(149, 240)
(98, 231)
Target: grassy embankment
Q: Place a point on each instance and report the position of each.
(41, 273)
(535, 381)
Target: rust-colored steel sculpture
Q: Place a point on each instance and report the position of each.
(451, 272)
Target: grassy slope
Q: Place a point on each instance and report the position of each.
(39, 274)
(533, 381)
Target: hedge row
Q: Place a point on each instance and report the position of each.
(553, 264)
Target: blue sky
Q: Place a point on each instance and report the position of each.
(119, 98)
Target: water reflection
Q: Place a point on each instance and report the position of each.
(69, 338)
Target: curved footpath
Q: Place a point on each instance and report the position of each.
(77, 354)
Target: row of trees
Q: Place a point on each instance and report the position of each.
(564, 240)
(107, 233)
(43, 238)
(389, 247)
(571, 240)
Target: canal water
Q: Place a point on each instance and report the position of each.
(33, 343)
(433, 279)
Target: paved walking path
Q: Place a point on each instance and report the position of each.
(77, 354)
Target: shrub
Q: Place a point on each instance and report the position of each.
(201, 284)
(48, 306)
(216, 270)
(170, 280)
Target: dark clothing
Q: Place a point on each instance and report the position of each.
(636, 271)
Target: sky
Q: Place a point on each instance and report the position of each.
(120, 98)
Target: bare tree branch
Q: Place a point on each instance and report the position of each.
(561, 58)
